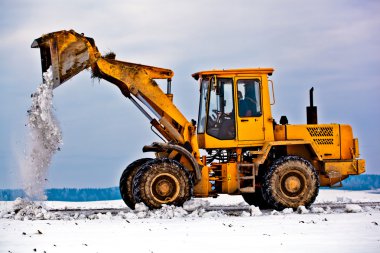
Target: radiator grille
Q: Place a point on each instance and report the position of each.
(320, 131)
(324, 141)
(319, 134)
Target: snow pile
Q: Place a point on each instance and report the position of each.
(302, 210)
(193, 204)
(275, 212)
(287, 211)
(317, 210)
(255, 211)
(343, 199)
(352, 208)
(213, 214)
(168, 212)
(43, 141)
(23, 209)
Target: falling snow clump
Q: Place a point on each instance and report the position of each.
(44, 139)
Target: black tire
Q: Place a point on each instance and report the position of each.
(126, 181)
(256, 199)
(162, 181)
(290, 182)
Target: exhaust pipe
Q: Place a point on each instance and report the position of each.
(311, 111)
(67, 52)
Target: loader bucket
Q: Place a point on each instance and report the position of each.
(67, 52)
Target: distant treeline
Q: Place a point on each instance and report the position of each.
(68, 194)
(361, 182)
(355, 183)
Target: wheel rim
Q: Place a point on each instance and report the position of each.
(165, 188)
(293, 184)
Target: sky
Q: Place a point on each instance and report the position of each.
(332, 46)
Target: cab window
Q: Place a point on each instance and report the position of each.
(221, 118)
(203, 106)
(249, 104)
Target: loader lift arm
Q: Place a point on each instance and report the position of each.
(69, 53)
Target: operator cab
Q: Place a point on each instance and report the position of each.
(232, 107)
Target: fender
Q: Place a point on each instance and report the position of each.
(160, 147)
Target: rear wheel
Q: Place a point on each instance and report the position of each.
(162, 181)
(126, 181)
(291, 181)
(256, 199)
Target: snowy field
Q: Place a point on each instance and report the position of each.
(26, 227)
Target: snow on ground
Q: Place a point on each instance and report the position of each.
(191, 229)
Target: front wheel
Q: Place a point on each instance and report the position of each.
(126, 181)
(162, 181)
(290, 182)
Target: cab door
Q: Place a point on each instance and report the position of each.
(249, 115)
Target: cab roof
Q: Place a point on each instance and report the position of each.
(233, 72)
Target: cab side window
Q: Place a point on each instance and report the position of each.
(249, 104)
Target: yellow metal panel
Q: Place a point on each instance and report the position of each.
(204, 186)
(230, 178)
(325, 136)
(344, 167)
(201, 140)
(267, 110)
(300, 150)
(327, 181)
(279, 133)
(240, 72)
(356, 147)
(360, 166)
(336, 171)
(347, 144)
(313, 148)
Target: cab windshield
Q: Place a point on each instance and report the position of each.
(217, 118)
(203, 106)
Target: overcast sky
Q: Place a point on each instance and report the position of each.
(331, 45)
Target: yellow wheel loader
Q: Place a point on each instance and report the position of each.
(271, 165)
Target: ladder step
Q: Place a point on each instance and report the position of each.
(259, 152)
(247, 189)
(247, 177)
(246, 165)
